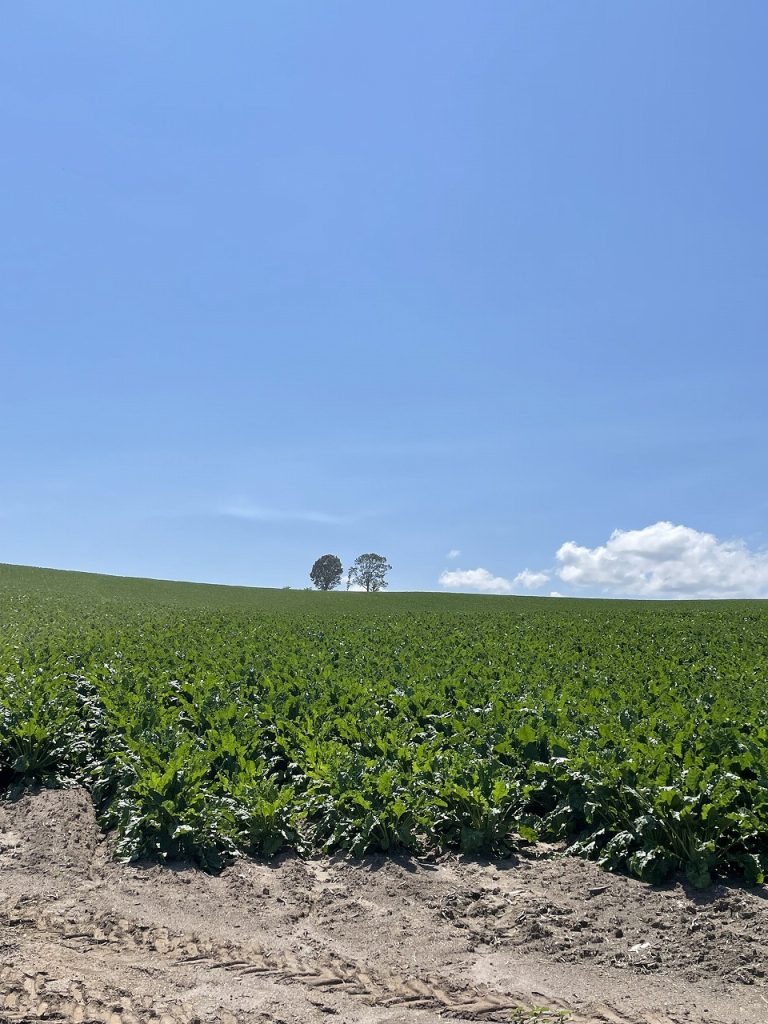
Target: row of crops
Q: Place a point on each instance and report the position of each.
(207, 725)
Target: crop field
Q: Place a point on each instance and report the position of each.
(209, 722)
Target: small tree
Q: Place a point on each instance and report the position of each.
(326, 572)
(368, 571)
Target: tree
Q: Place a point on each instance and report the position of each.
(326, 572)
(368, 571)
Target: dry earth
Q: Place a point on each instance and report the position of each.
(378, 941)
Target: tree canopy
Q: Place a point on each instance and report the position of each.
(326, 572)
(368, 571)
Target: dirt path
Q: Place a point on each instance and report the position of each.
(83, 939)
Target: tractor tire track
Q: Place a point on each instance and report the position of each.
(35, 996)
(27, 995)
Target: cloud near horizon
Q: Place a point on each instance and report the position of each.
(666, 560)
(484, 582)
(531, 580)
(479, 580)
(663, 560)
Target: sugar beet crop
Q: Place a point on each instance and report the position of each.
(209, 722)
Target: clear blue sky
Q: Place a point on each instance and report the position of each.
(284, 278)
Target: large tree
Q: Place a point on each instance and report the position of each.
(326, 572)
(368, 571)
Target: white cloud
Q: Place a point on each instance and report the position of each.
(475, 579)
(531, 580)
(666, 560)
(257, 513)
(555, 593)
(486, 583)
(453, 553)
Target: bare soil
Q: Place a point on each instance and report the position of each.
(390, 941)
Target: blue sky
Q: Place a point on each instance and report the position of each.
(278, 279)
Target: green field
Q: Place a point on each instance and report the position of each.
(211, 721)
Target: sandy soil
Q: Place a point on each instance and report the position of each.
(380, 940)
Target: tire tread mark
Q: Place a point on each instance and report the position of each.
(324, 973)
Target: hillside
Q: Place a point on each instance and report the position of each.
(312, 770)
